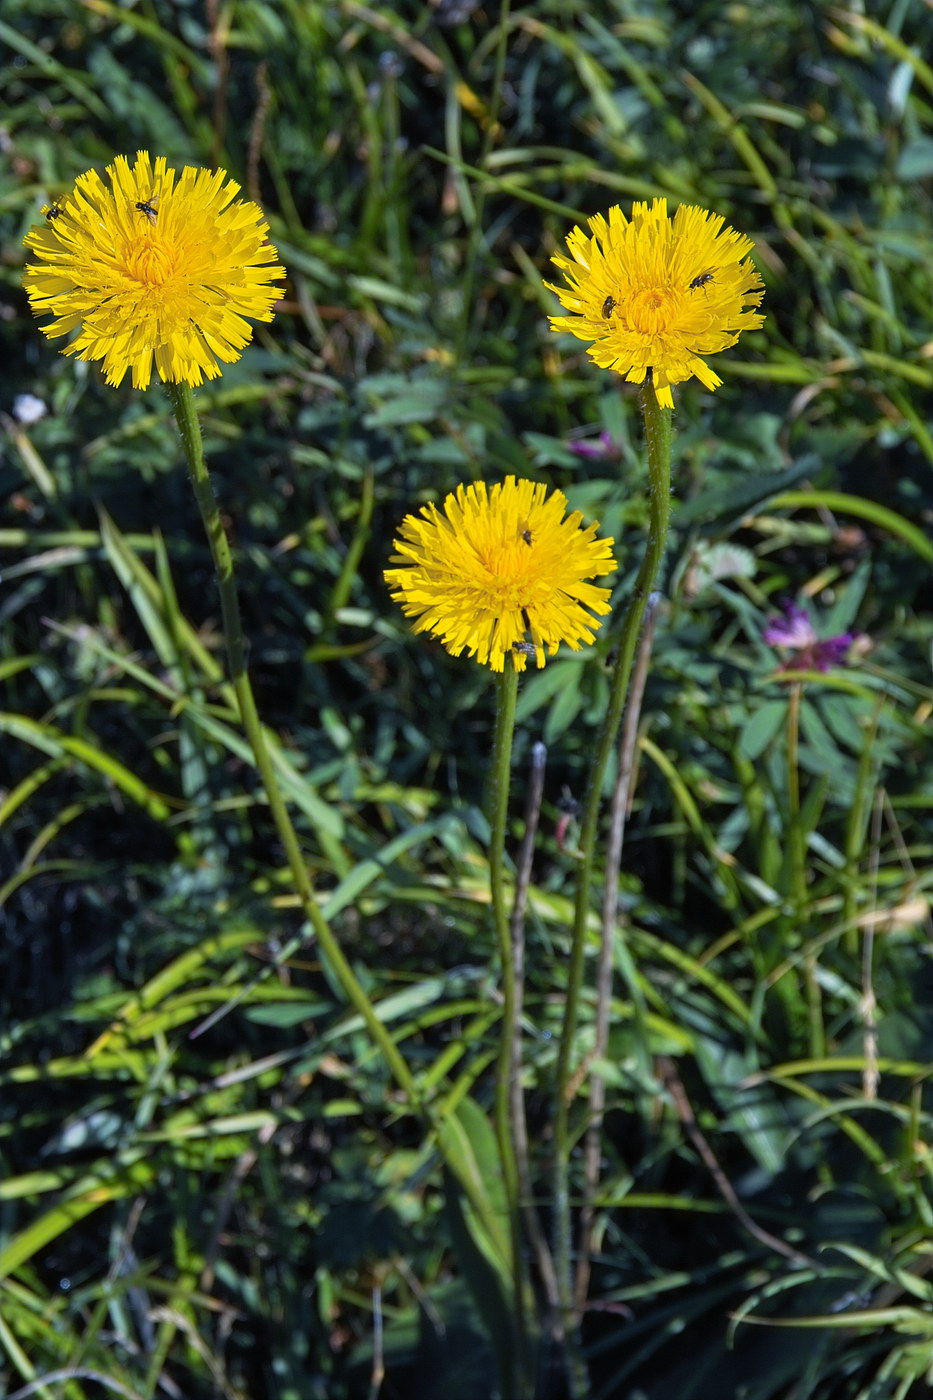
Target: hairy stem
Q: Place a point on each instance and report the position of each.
(610, 930)
(658, 439)
(182, 400)
(506, 1069)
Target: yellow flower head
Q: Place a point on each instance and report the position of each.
(654, 293)
(501, 573)
(153, 268)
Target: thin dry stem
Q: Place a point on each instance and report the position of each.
(870, 1074)
(619, 814)
(674, 1086)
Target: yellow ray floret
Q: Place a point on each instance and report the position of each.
(502, 572)
(655, 294)
(154, 269)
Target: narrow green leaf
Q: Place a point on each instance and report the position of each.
(86, 1197)
(51, 741)
(879, 515)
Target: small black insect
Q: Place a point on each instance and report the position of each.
(702, 280)
(53, 212)
(147, 207)
(526, 535)
(526, 648)
(609, 305)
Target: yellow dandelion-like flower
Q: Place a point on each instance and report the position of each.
(502, 572)
(655, 294)
(153, 268)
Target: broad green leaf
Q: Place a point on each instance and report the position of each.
(468, 1146)
(761, 728)
(285, 1014)
(539, 687)
(567, 705)
(739, 495)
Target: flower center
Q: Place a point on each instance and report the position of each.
(150, 261)
(512, 574)
(651, 310)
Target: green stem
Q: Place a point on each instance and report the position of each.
(182, 400)
(797, 845)
(506, 698)
(658, 440)
(447, 1130)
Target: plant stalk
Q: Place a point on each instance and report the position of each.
(507, 1064)
(182, 399)
(446, 1130)
(612, 931)
(658, 441)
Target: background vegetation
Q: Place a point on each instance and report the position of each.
(207, 1185)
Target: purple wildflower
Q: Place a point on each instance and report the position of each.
(796, 631)
(603, 449)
